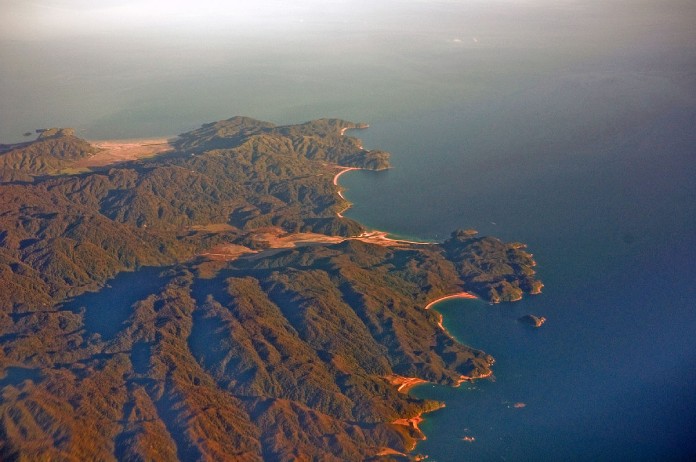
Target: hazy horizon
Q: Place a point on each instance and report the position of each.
(167, 67)
(566, 125)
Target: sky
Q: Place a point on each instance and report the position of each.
(46, 18)
(50, 19)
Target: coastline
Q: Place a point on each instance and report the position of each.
(459, 295)
(342, 132)
(276, 240)
(401, 414)
(340, 192)
(413, 423)
(374, 236)
(344, 170)
(405, 384)
(467, 295)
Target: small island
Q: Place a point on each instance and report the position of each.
(531, 320)
(209, 288)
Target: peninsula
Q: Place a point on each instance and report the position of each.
(203, 298)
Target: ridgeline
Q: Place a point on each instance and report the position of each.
(229, 344)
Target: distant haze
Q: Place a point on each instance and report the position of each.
(145, 68)
(564, 124)
(46, 18)
(38, 19)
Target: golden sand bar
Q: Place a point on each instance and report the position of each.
(117, 151)
(468, 295)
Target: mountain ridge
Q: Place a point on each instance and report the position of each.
(286, 349)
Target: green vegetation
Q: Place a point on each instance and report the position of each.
(497, 271)
(55, 149)
(283, 354)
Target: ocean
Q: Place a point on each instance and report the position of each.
(569, 126)
(611, 374)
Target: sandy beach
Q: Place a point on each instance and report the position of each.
(116, 151)
(404, 384)
(463, 295)
(375, 237)
(413, 422)
(471, 378)
(276, 239)
(449, 297)
(345, 169)
(340, 193)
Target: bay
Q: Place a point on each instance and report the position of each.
(565, 125)
(610, 220)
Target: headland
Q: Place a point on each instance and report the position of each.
(268, 305)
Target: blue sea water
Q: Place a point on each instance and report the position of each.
(567, 125)
(612, 223)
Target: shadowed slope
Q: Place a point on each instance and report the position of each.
(279, 353)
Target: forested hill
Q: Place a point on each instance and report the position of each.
(234, 345)
(63, 234)
(54, 150)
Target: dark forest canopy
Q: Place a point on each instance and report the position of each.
(275, 352)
